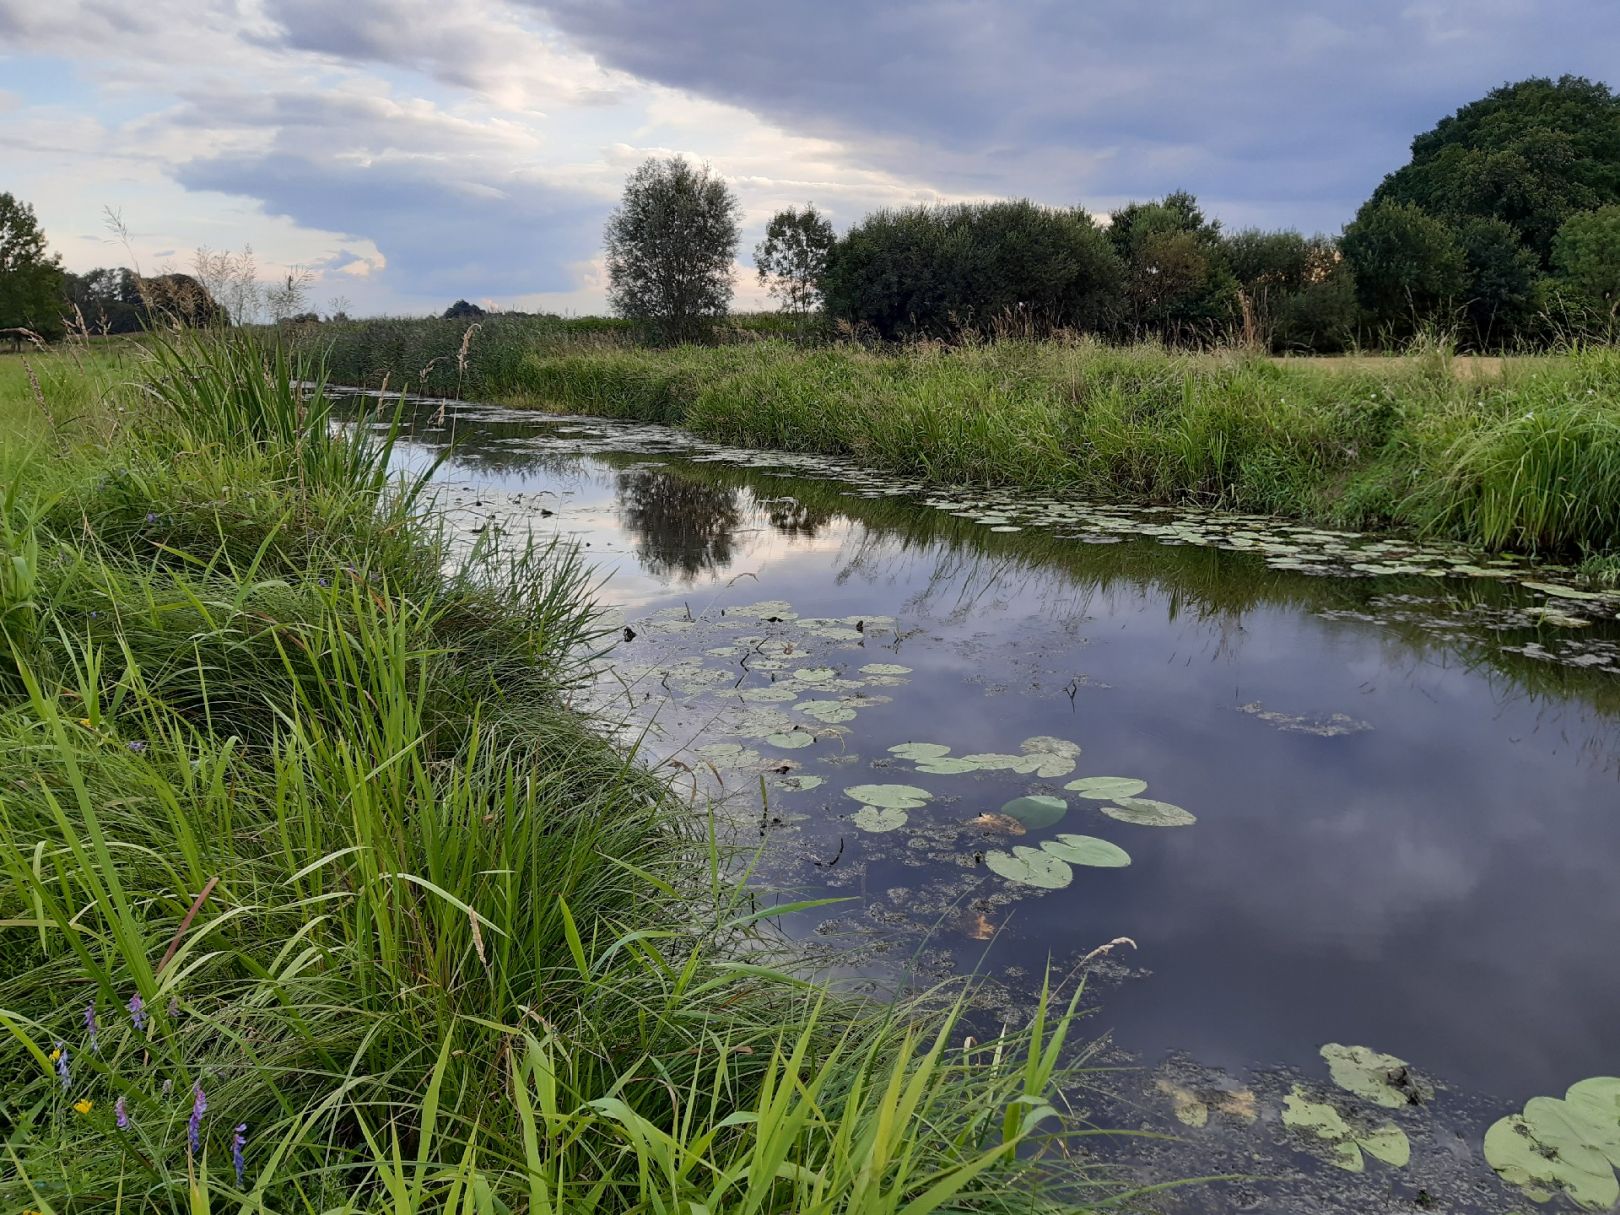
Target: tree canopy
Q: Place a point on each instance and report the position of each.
(30, 277)
(672, 246)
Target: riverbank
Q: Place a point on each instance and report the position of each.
(1521, 455)
(315, 895)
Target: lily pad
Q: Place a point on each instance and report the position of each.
(1045, 744)
(1379, 1078)
(814, 674)
(1088, 850)
(1145, 812)
(946, 765)
(1036, 812)
(791, 740)
(1030, 867)
(1386, 1142)
(1106, 788)
(801, 782)
(895, 797)
(1515, 1148)
(829, 711)
(916, 750)
(885, 668)
(880, 818)
(993, 761)
(1302, 1113)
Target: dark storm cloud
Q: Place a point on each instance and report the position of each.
(1273, 110)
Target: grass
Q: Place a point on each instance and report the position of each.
(314, 897)
(1521, 454)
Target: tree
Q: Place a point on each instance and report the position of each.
(1586, 260)
(1276, 272)
(108, 300)
(1178, 284)
(671, 245)
(30, 278)
(461, 310)
(793, 257)
(1530, 154)
(1500, 292)
(1409, 267)
(937, 271)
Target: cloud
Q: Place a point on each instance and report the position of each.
(1274, 110)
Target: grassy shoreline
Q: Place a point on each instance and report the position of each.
(1523, 454)
(315, 897)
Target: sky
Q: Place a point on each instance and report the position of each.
(407, 153)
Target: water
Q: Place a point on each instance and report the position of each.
(1407, 789)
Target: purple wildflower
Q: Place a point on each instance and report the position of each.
(137, 746)
(60, 1055)
(151, 516)
(121, 1114)
(238, 1142)
(137, 1011)
(323, 581)
(199, 1107)
(174, 1007)
(90, 1025)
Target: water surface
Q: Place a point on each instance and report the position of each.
(1406, 784)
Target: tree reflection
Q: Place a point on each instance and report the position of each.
(684, 528)
(793, 517)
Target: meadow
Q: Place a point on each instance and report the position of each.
(315, 896)
(1518, 453)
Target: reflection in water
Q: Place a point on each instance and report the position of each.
(793, 517)
(682, 527)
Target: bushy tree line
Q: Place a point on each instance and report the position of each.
(1503, 230)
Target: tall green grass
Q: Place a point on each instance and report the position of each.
(1525, 457)
(305, 868)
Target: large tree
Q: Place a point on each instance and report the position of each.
(937, 271)
(1586, 261)
(30, 278)
(1410, 268)
(1529, 154)
(671, 247)
(1178, 283)
(793, 258)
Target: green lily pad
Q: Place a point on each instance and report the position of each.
(1145, 812)
(946, 765)
(1302, 1113)
(917, 750)
(814, 674)
(1318, 1119)
(993, 761)
(1030, 867)
(829, 711)
(1564, 592)
(1387, 1143)
(1036, 812)
(801, 782)
(1514, 1147)
(895, 797)
(1106, 788)
(1594, 1105)
(791, 740)
(1379, 1078)
(885, 668)
(880, 818)
(1088, 850)
(770, 695)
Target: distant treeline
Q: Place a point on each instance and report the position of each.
(1503, 231)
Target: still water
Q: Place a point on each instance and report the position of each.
(1406, 781)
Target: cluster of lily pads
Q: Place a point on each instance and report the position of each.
(1377, 1079)
(1567, 1146)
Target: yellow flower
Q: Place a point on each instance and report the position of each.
(55, 1055)
(85, 722)
(84, 1105)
